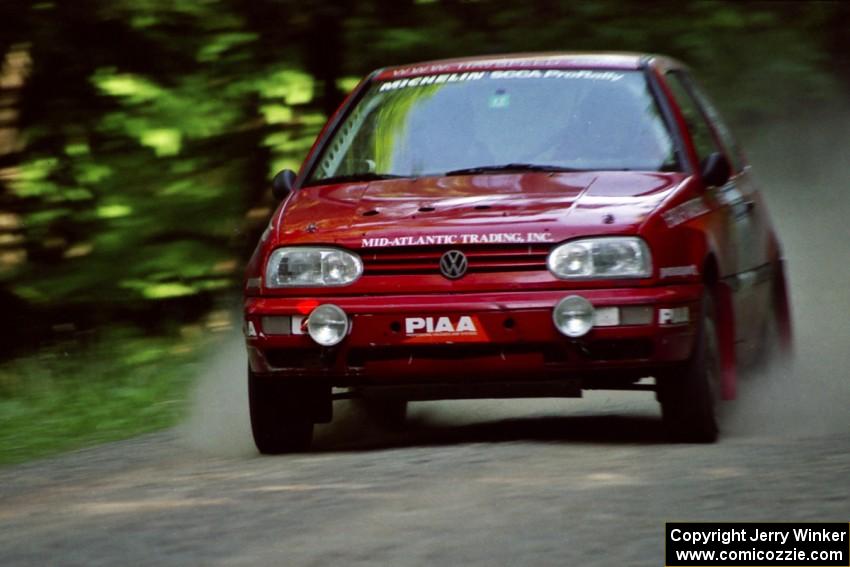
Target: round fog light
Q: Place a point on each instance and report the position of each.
(573, 316)
(327, 324)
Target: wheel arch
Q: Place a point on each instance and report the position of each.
(724, 314)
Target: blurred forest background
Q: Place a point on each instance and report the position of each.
(138, 137)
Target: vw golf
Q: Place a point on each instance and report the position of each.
(515, 226)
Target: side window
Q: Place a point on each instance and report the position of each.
(699, 128)
(727, 140)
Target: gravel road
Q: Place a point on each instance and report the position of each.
(539, 483)
(478, 483)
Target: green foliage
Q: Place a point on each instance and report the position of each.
(141, 193)
(71, 395)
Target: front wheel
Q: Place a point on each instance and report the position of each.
(688, 397)
(279, 421)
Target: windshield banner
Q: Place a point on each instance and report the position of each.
(508, 74)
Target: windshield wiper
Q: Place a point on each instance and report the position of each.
(510, 167)
(362, 176)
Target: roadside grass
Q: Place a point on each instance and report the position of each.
(78, 393)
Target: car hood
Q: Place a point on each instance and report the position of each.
(517, 208)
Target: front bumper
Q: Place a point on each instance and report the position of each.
(519, 340)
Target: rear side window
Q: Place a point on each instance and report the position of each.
(700, 130)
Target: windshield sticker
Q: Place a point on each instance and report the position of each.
(685, 212)
(454, 239)
(500, 99)
(557, 74)
(431, 80)
(424, 80)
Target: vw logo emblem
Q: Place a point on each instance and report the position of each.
(453, 264)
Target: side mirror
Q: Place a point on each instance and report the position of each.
(282, 184)
(715, 170)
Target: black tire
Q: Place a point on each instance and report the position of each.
(688, 397)
(388, 413)
(279, 421)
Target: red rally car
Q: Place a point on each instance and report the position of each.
(515, 226)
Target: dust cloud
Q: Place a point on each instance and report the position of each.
(218, 421)
(803, 169)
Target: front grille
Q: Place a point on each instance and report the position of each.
(482, 259)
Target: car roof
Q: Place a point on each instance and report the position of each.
(556, 60)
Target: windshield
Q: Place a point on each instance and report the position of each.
(523, 119)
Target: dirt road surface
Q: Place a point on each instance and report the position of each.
(477, 483)
(536, 490)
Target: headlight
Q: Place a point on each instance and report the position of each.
(306, 266)
(609, 257)
(327, 324)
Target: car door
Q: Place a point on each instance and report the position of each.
(740, 203)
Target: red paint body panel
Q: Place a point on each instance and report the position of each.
(531, 315)
(723, 234)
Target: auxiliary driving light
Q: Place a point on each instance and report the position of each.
(573, 316)
(327, 324)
